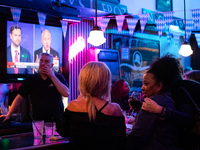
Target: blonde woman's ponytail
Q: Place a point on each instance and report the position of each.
(90, 107)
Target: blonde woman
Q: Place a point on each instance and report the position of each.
(93, 122)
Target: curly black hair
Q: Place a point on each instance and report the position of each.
(167, 70)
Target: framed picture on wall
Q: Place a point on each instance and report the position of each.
(164, 5)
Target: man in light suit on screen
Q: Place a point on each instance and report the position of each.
(46, 48)
(16, 53)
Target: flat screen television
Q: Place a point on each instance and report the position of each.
(30, 48)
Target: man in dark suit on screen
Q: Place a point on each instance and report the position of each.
(16, 53)
(46, 48)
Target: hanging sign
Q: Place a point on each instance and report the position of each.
(111, 7)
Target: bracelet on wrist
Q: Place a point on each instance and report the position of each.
(163, 113)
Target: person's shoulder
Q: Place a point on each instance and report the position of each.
(53, 50)
(32, 76)
(156, 97)
(61, 78)
(71, 105)
(24, 50)
(163, 100)
(30, 79)
(114, 109)
(9, 47)
(38, 50)
(76, 105)
(59, 75)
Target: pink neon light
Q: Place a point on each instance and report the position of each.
(75, 48)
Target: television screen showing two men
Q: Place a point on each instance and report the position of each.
(25, 43)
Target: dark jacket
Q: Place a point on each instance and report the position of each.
(24, 57)
(152, 133)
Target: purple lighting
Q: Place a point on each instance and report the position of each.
(76, 47)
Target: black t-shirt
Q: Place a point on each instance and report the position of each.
(106, 133)
(46, 101)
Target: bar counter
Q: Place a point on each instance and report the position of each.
(19, 135)
(25, 141)
(15, 128)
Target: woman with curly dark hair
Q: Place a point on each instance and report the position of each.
(183, 115)
(149, 131)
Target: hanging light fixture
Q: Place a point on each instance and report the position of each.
(185, 47)
(96, 36)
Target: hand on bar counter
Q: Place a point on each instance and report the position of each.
(53, 138)
(56, 138)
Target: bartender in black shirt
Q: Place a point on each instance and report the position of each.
(45, 89)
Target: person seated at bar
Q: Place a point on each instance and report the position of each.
(120, 93)
(92, 122)
(182, 116)
(192, 75)
(150, 132)
(3, 91)
(45, 90)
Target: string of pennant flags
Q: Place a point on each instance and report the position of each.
(16, 13)
(131, 22)
(160, 24)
